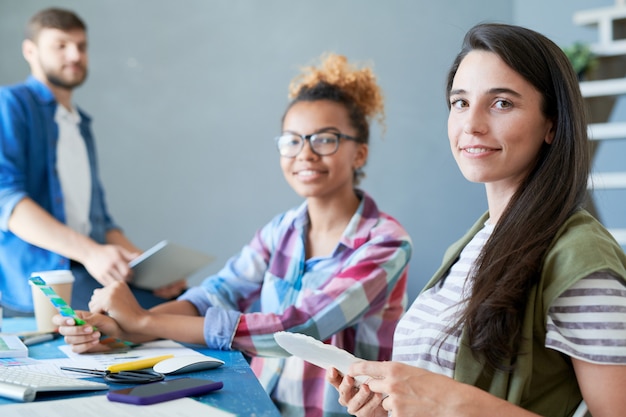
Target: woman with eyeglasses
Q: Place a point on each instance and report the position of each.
(526, 315)
(334, 268)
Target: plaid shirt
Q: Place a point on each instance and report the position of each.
(352, 299)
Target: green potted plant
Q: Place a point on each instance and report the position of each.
(581, 57)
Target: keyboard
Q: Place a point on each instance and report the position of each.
(23, 385)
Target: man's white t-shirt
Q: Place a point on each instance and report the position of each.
(73, 170)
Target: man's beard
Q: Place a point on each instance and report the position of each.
(61, 83)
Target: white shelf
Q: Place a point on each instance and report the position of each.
(602, 88)
(602, 18)
(605, 131)
(614, 48)
(607, 180)
(599, 15)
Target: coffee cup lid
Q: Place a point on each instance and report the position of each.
(61, 276)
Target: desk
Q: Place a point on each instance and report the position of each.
(242, 393)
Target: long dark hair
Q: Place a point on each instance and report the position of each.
(511, 260)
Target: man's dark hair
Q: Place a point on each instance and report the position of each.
(53, 18)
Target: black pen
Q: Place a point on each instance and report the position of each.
(40, 338)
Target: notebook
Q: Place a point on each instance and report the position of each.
(12, 347)
(165, 263)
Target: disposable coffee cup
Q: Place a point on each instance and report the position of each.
(61, 282)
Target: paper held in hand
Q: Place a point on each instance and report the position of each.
(318, 353)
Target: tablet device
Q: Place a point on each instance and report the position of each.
(165, 263)
(164, 391)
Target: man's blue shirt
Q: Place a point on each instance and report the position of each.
(28, 156)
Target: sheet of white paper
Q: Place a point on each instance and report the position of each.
(98, 406)
(101, 360)
(146, 350)
(316, 352)
(53, 367)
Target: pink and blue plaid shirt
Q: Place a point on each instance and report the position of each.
(352, 299)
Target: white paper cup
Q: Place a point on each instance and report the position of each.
(60, 281)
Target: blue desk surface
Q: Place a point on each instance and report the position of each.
(242, 393)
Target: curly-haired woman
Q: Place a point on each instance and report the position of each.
(333, 268)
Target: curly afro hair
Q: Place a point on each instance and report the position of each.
(339, 81)
(343, 82)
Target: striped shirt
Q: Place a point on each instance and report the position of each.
(588, 321)
(352, 298)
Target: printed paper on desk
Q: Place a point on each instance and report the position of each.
(145, 350)
(97, 406)
(53, 366)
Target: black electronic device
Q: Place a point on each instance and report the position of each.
(164, 391)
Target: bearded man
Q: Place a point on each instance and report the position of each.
(53, 213)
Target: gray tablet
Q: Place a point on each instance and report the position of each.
(165, 263)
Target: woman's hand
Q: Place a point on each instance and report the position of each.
(118, 302)
(359, 401)
(86, 338)
(409, 391)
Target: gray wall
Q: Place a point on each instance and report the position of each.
(188, 95)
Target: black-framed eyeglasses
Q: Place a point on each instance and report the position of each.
(323, 144)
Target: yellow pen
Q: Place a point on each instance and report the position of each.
(139, 364)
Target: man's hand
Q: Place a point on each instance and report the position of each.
(109, 263)
(172, 290)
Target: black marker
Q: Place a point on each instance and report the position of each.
(40, 338)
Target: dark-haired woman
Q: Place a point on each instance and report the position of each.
(527, 314)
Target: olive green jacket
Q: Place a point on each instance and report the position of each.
(543, 380)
